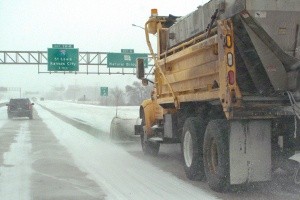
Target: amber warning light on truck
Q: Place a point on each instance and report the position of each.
(153, 12)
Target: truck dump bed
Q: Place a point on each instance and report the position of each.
(279, 18)
(266, 43)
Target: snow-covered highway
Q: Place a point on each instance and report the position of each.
(48, 158)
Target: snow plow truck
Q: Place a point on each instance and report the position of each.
(226, 85)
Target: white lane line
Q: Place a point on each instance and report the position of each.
(16, 171)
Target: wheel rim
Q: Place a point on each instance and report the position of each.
(188, 149)
(213, 158)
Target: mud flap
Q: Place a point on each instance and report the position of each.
(250, 151)
(138, 129)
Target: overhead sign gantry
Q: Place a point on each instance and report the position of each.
(88, 62)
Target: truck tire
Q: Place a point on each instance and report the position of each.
(280, 155)
(216, 155)
(192, 148)
(149, 148)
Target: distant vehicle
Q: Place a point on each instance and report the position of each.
(19, 108)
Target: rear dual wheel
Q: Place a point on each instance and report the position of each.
(205, 151)
(216, 155)
(191, 147)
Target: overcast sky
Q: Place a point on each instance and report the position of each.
(91, 25)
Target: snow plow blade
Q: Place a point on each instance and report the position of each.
(123, 129)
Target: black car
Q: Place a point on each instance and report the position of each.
(19, 108)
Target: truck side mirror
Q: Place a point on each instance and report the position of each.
(140, 69)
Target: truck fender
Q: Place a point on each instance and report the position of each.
(147, 111)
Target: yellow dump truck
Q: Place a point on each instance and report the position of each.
(226, 84)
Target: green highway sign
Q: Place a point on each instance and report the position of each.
(123, 60)
(127, 50)
(63, 59)
(104, 91)
(62, 46)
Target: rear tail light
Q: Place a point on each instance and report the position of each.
(230, 59)
(231, 78)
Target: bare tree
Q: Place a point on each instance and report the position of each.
(118, 97)
(137, 93)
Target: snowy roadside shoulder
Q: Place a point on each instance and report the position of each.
(16, 171)
(119, 174)
(3, 116)
(99, 117)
